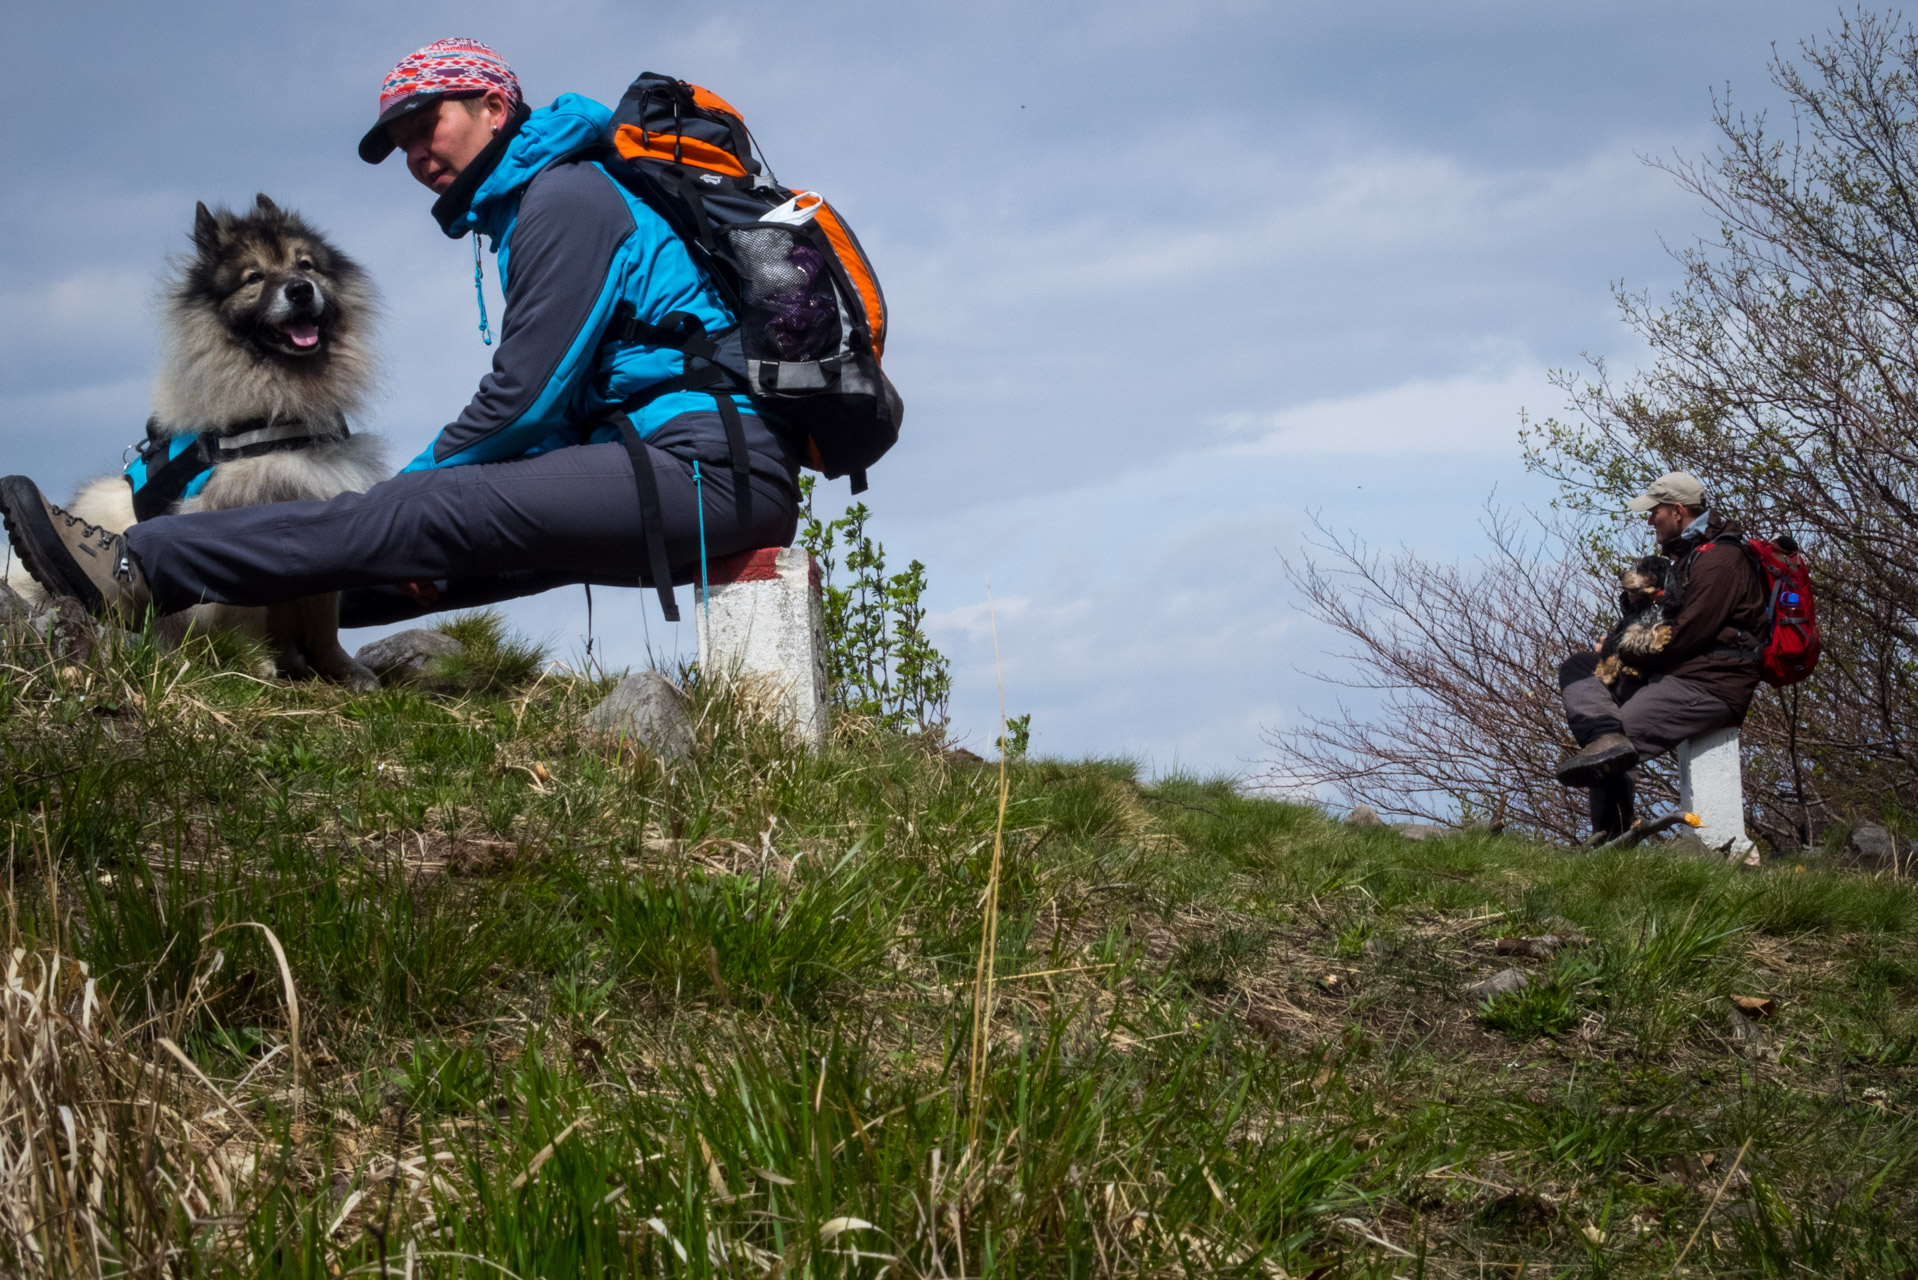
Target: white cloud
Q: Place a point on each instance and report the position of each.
(1471, 413)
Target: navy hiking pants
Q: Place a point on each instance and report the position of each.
(476, 534)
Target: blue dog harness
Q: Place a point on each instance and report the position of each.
(169, 468)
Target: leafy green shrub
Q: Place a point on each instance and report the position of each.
(878, 657)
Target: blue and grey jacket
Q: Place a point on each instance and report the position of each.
(572, 246)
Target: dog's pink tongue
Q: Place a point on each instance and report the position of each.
(303, 335)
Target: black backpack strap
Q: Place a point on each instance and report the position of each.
(676, 331)
(736, 444)
(650, 515)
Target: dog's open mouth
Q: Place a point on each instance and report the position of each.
(299, 337)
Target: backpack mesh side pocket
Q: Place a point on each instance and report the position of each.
(789, 302)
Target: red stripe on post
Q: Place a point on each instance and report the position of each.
(759, 565)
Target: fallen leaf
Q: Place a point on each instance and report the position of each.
(1593, 1234)
(1756, 1006)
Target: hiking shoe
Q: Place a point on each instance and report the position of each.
(68, 556)
(1605, 755)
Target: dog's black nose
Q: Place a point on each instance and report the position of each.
(299, 292)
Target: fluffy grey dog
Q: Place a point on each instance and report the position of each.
(266, 356)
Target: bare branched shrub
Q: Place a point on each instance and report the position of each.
(1786, 378)
(1460, 668)
(1459, 665)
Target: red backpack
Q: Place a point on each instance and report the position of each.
(1791, 643)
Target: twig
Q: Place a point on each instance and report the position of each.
(989, 926)
(1710, 1208)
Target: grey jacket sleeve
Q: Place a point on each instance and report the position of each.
(559, 291)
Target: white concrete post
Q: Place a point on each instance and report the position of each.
(1711, 784)
(765, 625)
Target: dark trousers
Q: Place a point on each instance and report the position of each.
(476, 533)
(1656, 716)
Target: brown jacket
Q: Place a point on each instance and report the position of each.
(1721, 611)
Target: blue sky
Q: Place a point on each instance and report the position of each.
(1164, 277)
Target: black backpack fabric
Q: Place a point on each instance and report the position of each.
(811, 316)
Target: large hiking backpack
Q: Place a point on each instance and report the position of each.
(812, 319)
(1788, 651)
(1792, 643)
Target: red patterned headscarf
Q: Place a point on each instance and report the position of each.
(455, 68)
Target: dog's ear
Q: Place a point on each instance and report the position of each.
(266, 206)
(206, 229)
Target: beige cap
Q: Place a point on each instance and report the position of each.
(1673, 486)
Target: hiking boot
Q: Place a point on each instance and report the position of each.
(1599, 759)
(68, 556)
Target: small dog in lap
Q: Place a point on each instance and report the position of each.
(1642, 628)
(265, 357)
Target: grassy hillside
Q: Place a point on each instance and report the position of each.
(564, 1009)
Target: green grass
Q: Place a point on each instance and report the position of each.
(570, 1010)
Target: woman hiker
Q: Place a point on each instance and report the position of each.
(531, 486)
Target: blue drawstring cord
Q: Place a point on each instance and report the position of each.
(479, 291)
(699, 500)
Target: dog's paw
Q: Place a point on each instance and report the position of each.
(1608, 668)
(360, 679)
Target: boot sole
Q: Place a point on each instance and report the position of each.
(31, 534)
(1591, 772)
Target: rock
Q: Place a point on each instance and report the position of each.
(12, 607)
(645, 707)
(1871, 841)
(1750, 1041)
(1504, 982)
(406, 654)
(71, 634)
(1566, 931)
(1420, 830)
(1363, 816)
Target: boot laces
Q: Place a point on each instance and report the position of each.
(88, 531)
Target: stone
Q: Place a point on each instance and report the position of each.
(406, 654)
(71, 634)
(1420, 830)
(12, 607)
(1504, 982)
(1750, 1041)
(762, 629)
(1566, 931)
(1364, 816)
(648, 708)
(1711, 784)
(1871, 841)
